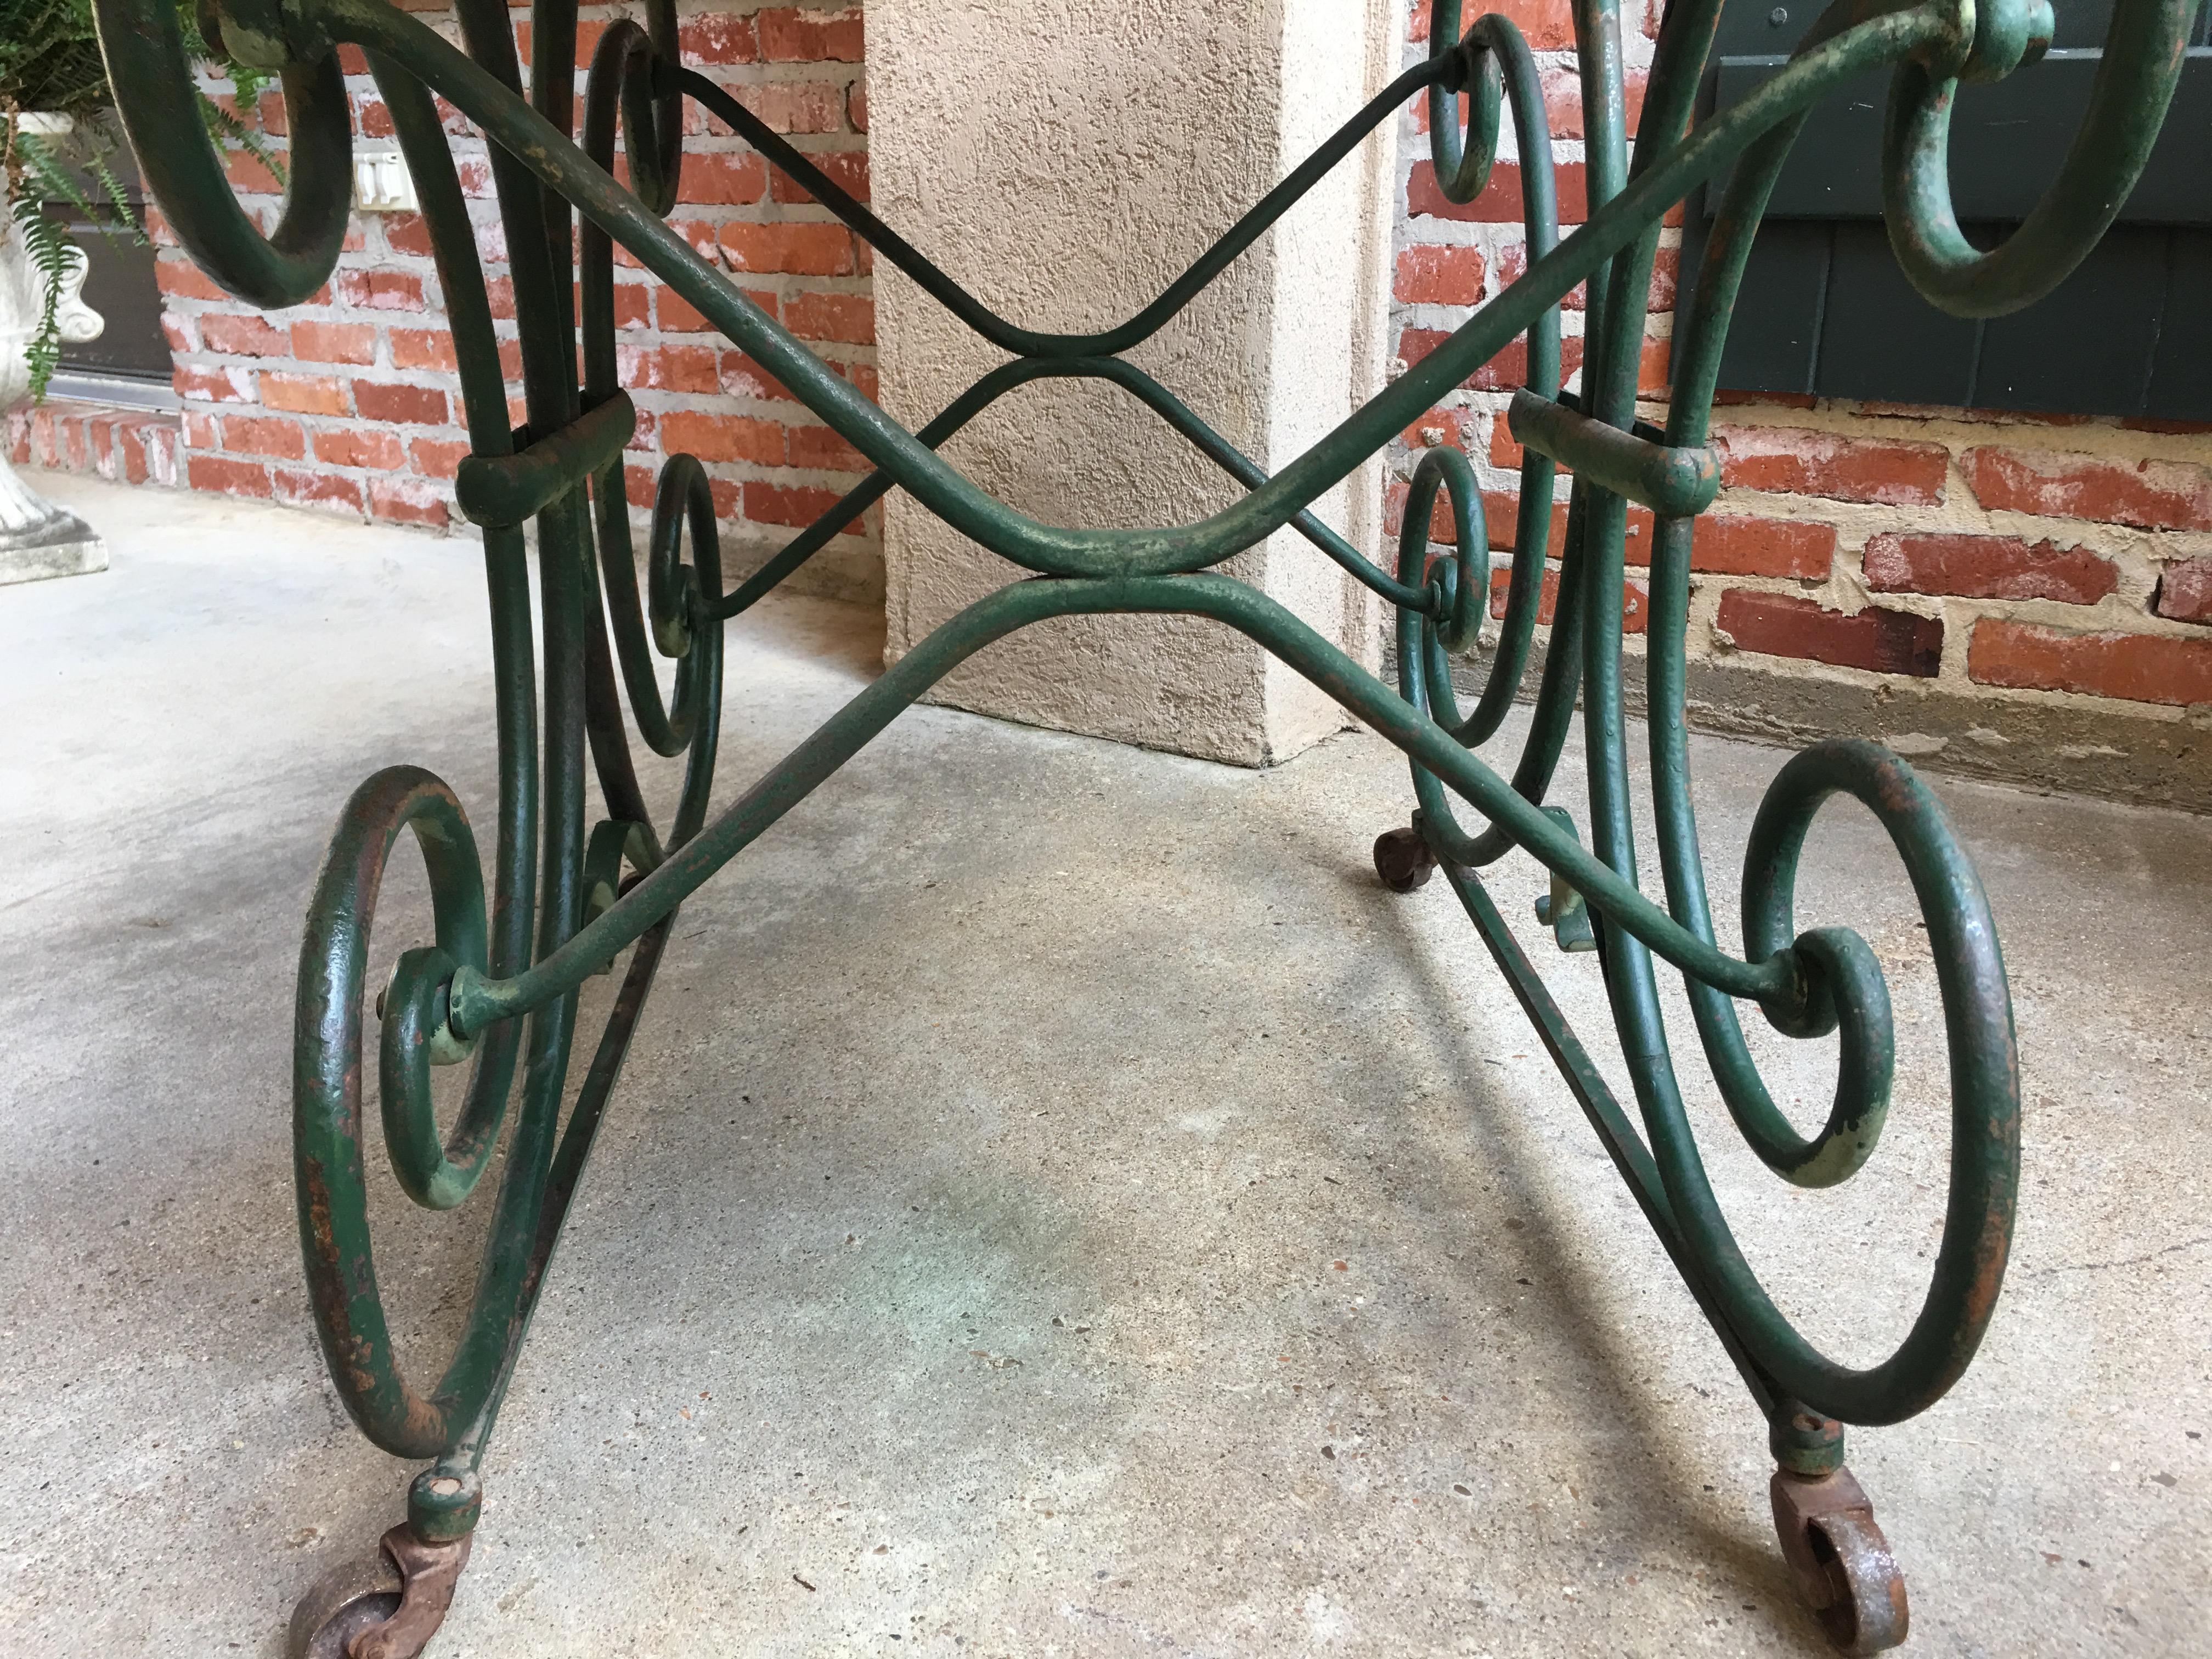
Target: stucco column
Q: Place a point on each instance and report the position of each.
(1065, 161)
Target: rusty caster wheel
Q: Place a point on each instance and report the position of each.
(1840, 1560)
(387, 1605)
(1403, 860)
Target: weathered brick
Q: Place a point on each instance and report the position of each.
(1804, 461)
(1501, 520)
(422, 348)
(1785, 625)
(1513, 264)
(249, 336)
(806, 250)
(718, 37)
(789, 35)
(819, 446)
(407, 501)
(380, 400)
(303, 394)
(1548, 25)
(249, 174)
(1635, 600)
(1737, 544)
(1508, 369)
(380, 290)
(1563, 98)
(406, 232)
(588, 38)
(220, 386)
(1438, 275)
(1500, 511)
(2138, 667)
(668, 368)
(722, 437)
(848, 169)
(632, 306)
(789, 106)
(723, 178)
(179, 277)
(1666, 273)
(227, 477)
(360, 446)
(1986, 568)
(1444, 426)
(2150, 494)
(319, 490)
(1498, 202)
(798, 505)
(437, 457)
(848, 317)
(334, 343)
(249, 434)
(856, 104)
(2184, 590)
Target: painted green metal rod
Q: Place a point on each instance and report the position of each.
(478, 1002)
(1009, 377)
(1060, 550)
(1034, 343)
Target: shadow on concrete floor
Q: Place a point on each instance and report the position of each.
(1059, 1202)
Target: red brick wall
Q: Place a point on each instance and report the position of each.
(2001, 558)
(349, 402)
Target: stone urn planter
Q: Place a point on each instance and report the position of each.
(37, 538)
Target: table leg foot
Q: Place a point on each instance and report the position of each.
(1841, 1562)
(1403, 860)
(386, 1604)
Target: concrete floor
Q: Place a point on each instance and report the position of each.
(1059, 1203)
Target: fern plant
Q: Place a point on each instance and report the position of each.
(50, 63)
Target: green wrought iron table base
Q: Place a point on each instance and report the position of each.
(497, 991)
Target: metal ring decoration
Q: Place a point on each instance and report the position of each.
(1463, 156)
(498, 989)
(2134, 84)
(332, 1186)
(144, 50)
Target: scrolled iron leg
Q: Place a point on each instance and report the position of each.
(1403, 860)
(1841, 1562)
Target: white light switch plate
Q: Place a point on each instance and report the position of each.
(381, 183)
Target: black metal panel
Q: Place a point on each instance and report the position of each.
(2129, 333)
(2181, 373)
(1880, 338)
(2086, 349)
(1750, 27)
(1773, 341)
(118, 284)
(2008, 139)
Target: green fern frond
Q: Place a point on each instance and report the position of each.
(49, 251)
(118, 201)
